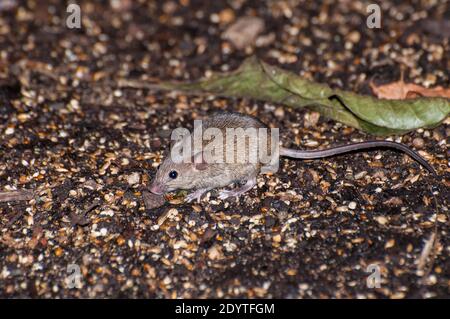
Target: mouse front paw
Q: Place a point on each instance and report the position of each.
(224, 194)
(195, 195)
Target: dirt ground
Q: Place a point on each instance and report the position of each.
(87, 150)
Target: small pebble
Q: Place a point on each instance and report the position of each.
(418, 142)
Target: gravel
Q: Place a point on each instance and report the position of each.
(87, 150)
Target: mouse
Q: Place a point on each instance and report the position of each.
(201, 176)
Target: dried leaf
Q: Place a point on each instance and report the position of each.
(401, 90)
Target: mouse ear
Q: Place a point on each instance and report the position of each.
(199, 161)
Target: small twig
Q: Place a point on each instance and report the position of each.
(429, 251)
(136, 84)
(19, 195)
(80, 219)
(426, 251)
(15, 218)
(94, 204)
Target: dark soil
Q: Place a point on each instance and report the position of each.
(89, 149)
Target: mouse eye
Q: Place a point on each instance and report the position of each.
(173, 174)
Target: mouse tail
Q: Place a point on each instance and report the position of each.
(289, 152)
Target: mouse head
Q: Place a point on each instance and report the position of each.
(172, 176)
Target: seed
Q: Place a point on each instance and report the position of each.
(389, 244)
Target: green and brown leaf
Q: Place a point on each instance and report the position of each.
(258, 80)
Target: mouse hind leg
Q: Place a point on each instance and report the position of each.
(224, 194)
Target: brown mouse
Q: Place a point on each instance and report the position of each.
(202, 176)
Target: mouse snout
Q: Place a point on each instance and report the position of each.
(156, 189)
